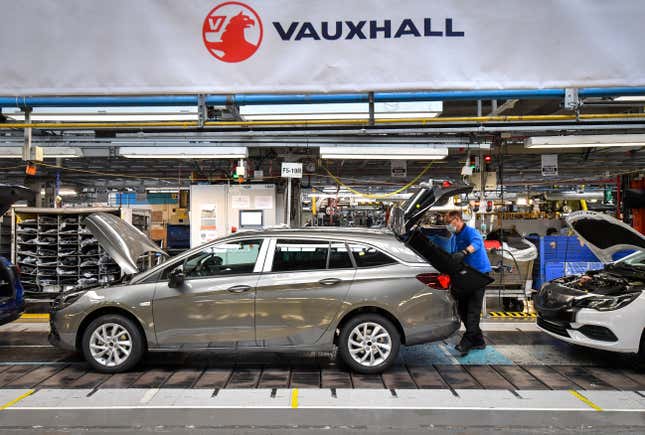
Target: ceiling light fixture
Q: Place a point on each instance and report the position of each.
(14, 152)
(384, 153)
(184, 152)
(590, 141)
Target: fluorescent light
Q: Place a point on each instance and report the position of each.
(15, 152)
(597, 140)
(631, 99)
(384, 153)
(184, 152)
(67, 192)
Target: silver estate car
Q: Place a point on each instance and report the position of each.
(365, 292)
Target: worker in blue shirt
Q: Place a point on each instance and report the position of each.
(468, 248)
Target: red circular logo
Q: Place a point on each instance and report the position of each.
(232, 32)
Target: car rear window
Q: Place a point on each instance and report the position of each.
(367, 256)
(294, 255)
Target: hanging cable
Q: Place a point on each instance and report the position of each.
(381, 195)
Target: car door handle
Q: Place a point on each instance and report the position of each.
(329, 281)
(239, 288)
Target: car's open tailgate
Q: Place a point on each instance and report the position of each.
(463, 277)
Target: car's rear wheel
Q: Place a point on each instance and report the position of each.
(112, 344)
(369, 343)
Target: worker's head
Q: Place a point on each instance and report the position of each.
(454, 221)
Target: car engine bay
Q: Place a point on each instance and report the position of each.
(605, 282)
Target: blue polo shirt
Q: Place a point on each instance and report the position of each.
(478, 260)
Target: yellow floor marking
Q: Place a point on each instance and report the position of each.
(294, 398)
(17, 399)
(34, 316)
(512, 314)
(585, 400)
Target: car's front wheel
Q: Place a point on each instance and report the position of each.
(369, 343)
(112, 344)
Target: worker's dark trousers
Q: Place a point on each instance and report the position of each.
(469, 308)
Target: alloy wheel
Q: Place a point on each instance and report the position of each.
(369, 344)
(110, 344)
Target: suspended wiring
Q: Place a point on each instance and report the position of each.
(339, 182)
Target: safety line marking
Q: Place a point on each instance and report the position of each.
(41, 316)
(585, 400)
(17, 399)
(512, 314)
(294, 398)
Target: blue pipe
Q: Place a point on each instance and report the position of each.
(265, 99)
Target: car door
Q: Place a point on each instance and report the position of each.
(215, 305)
(301, 290)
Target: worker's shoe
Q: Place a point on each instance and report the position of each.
(466, 346)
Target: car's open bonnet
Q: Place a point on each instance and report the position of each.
(122, 241)
(604, 234)
(10, 194)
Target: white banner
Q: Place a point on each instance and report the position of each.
(211, 46)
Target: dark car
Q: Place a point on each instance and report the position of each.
(12, 301)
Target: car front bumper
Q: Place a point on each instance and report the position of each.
(57, 337)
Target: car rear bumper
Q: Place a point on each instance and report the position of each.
(432, 333)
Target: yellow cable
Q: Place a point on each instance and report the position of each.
(300, 122)
(382, 195)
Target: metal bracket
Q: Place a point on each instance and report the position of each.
(370, 100)
(572, 99)
(202, 110)
(26, 147)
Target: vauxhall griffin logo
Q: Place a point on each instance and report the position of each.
(232, 32)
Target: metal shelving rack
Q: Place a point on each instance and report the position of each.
(5, 235)
(56, 252)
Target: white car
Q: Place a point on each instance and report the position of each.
(603, 309)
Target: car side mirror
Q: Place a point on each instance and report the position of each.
(176, 279)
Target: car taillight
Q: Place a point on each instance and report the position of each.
(437, 281)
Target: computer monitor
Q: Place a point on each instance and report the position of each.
(251, 218)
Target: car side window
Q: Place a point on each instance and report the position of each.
(297, 255)
(339, 256)
(229, 258)
(367, 256)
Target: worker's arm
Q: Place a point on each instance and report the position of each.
(476, 243)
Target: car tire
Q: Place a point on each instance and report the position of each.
(369, 343)
(112, 344)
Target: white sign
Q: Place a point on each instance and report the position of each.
(263, 202)
(549, 165)
(100, 47)
(240, 201)
(291, 170)
(399, 168)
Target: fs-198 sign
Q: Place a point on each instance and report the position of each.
(291, 170)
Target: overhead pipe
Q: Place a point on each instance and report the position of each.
(330, 122)
(266, 99)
